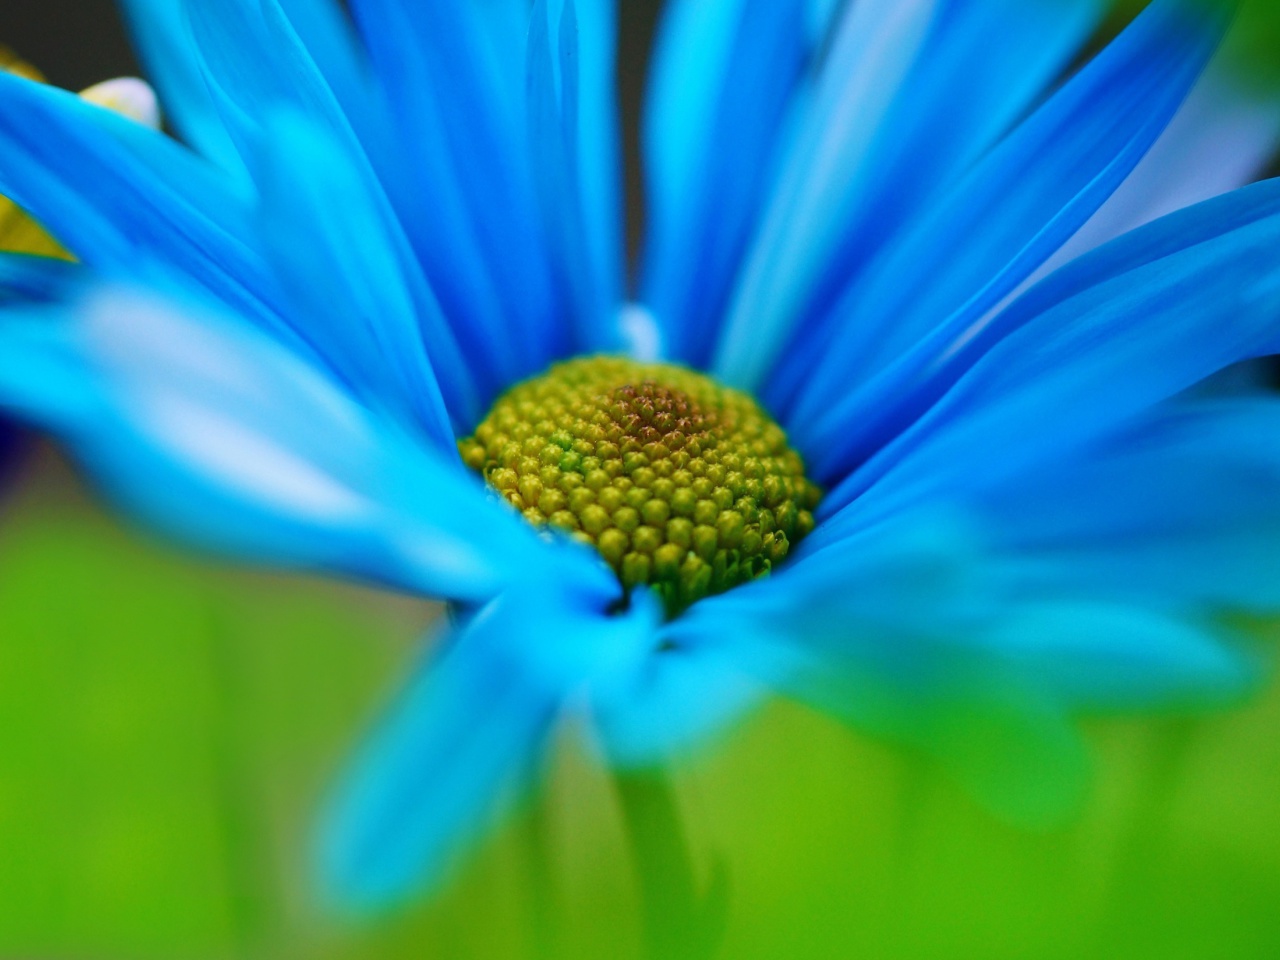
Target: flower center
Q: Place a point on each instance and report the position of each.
(678, 482)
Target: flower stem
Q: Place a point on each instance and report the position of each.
(676, 922)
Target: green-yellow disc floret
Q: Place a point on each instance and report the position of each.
(678, 482)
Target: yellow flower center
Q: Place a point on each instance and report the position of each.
(679, 483)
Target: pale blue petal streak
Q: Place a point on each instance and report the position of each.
(907, 97)
(875, 45)
(216, 434)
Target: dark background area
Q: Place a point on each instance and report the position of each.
(76, 43)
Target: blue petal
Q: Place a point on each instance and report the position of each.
(467, 183)
(349, 272)
(886, 634)
(471, 728)
(892, 148)
(218, 435)
(567, 126)
(685, 695)
(875, 45)
(1021, 203)
(1179, 513)
(33, 278)
(127, 200)
(724, 74)
(983, 66)
(166, 48)
(1105, 338)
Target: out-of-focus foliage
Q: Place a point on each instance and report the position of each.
(168, 730)
(1254, 44)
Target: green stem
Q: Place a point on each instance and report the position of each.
(544, 896)
(675, 920)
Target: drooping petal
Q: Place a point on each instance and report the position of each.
(1178, 513)
(885, 635)
(1021, 202)
(215, 433)
(472, 725)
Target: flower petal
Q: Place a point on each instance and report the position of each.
(25, 276)
(885, 634)
(166, 48)
(218, 435)
(350, 275)
(448, 72)
(875, 44)
(724, 74)
(568, 127)
(1111, 334)
(127, 200)
(977, 68)
(472, 726)
(1179, 513)
(1221, 139)
(1019, 204)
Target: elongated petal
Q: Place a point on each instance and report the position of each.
(166, 48)
(448, 71)
(472, 725)
(984, 65)
(351, 277)
(566, 127)
(725, 72)
(1111, 334)
(1221, 139)
(218, 435)
(974, 66)
(1179, 513)
(871, 56)
(887, 636)
(1018, 206)
(127, 200)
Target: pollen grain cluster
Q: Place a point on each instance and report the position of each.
(678, 482)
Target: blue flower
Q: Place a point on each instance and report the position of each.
(1033, 508)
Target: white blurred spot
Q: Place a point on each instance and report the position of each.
(127, 96)
(640, 331)
(232, 456)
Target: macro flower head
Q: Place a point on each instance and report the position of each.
(896, 419)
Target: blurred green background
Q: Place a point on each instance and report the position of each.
(168, 727)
